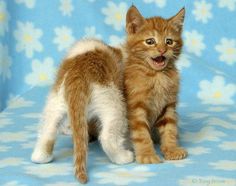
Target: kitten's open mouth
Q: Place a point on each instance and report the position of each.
(159, 61)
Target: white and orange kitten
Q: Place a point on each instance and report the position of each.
(88, 89)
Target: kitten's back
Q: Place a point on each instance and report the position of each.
(91, 61)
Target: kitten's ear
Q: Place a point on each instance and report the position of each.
(134, 20)
(178, 20)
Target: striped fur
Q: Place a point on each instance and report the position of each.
(151, 90)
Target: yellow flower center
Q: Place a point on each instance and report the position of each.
(125, 174)
(67, 5)
(217, 94)
(118, 16)
(27, 38)
(43, 77)
(194, 42)
(204, 11)
(2, 17)
(65, 37)
(230, 51)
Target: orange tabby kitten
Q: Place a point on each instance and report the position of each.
(152, 83)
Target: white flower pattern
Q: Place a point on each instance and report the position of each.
(202, 11)
(232, 116)
(229, 4)
(34, 38)
(5, 122)
(217, 109)
(198, 150)
(180, 163)
(159, 3)
(227, 50)
(4, 148)
(48, 170)
(42, 72)
(5, 62)
(7, 137)
(10, 161)
(62, 184)
(214, 121)
(216, 92)
(27, 37)
(122, 176)
(194, 42)
(18, 102)
(227, 165)
(66, 7)
(13, 183)
(115, 40)
(115, 14)
(64, 38)
(4, 18)
(28, 3)
(205, 134)
(90, 32)
(183, 61)
(228, 145)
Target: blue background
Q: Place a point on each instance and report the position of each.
(207, 113)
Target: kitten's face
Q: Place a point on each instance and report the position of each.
(156, 41)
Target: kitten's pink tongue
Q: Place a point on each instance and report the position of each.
(159, 61)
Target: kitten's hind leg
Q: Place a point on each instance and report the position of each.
(111, 110)
(53, 112)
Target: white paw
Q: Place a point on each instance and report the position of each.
(123, 157)
(41, 157)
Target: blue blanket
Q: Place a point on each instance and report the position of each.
(34, 37)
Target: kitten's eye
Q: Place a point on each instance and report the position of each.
(150, 41)
(169, 41)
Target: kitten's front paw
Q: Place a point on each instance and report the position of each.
(176, 153)
(123, 157)
(41, 157)
(148, 159)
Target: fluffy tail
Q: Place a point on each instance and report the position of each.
(77, 98)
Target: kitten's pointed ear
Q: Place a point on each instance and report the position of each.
(134, 20)
(178, 20)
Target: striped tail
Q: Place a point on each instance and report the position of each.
(77, 99)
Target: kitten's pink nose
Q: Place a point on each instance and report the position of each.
(162, 50)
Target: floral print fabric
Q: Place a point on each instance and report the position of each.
(34, 38)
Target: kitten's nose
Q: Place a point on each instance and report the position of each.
(161, 50)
